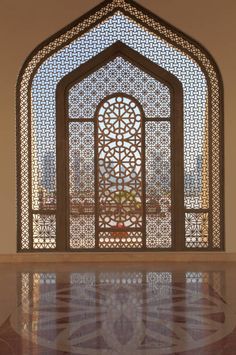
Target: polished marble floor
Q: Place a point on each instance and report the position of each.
(118, 309)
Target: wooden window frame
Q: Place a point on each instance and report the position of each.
(176, 121)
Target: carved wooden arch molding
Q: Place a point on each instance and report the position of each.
(38, 212)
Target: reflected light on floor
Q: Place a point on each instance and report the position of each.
(123, 312)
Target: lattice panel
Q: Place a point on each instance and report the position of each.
(196, 230)
(82, 184)
(43, 167)
(196, 179)
(82, 232)
(123, 240)
(120, 27)
(119, 166)
(119, 75)
(158, 184)
(81, 165)
(44, 231)
(152, 43)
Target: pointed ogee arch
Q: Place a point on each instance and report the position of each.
(123, 23)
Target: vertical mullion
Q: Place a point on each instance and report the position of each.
(177, 168)
(61, 122)
(96, 182)
(143, 157)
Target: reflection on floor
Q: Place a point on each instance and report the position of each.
(118, 310)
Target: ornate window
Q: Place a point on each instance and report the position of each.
(120, 138)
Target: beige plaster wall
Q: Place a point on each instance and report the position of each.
(26, 23)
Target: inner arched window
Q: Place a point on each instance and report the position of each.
(120, 138)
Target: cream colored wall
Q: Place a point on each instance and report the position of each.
(26, 23)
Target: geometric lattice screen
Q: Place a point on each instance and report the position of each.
(120, 138)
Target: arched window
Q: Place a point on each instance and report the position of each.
(119, 133)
